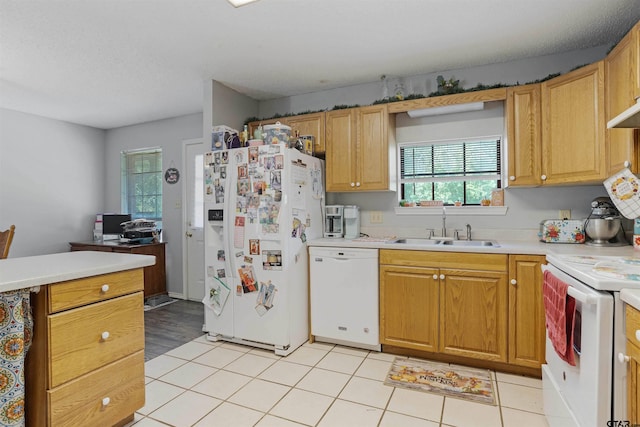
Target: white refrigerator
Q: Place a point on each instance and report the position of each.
(261, 205)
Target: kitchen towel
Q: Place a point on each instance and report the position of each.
(559, 312)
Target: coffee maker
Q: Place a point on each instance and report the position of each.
(351, 222)
(604, 226)
(334, 221)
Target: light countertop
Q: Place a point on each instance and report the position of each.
(631, 297)
(522, 247)
(26, 272)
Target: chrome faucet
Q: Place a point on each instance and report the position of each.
(444, 222)
(468, 231)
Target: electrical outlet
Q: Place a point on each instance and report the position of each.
(375, 217)
(565, 213)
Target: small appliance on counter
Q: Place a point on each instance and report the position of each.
(604, 226)
(351, 222)
(334, 221)
(562, 231)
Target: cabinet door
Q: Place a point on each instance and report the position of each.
(341, 150)
(310, 124)
(473, 314)
(524, 135)
(373, 152)
(409, 307)
(633, 384)
(620, 71)
(526, 311)
(573, 127)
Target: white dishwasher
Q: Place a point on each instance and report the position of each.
(344, 296)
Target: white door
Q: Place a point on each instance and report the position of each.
(193, 261)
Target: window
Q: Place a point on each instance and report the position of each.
(452, 171)
(142, 183)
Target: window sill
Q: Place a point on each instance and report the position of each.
(453, 210)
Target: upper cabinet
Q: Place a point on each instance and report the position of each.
(524, 135)
(360, 149)
(622, 71)
(310, 124)
(573, 127)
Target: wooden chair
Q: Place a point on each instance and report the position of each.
(6, 237)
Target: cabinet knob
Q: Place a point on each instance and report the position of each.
(105, 335)
(543, 177)
(512, 178)
(623, 358)
(627, 163)
(106, 401)
(514, 282)
(357, 184)
(104, 288)
(442, 277)
(435, 277)
(353, 184)
(638, 334)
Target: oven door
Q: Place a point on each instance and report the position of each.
(581, 395)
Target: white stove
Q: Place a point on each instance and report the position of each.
(593, 392)
(605, 273)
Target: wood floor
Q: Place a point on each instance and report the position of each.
(170, 326)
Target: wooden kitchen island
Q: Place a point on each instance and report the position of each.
(155, 276)
(85, 365)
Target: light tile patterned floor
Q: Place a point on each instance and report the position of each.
(207, 384)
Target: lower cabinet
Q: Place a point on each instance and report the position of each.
(477, 306)
(633, 369)
(526, 311)
(86, 363)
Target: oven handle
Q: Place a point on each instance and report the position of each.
(573, 292)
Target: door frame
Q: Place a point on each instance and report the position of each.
(184, 189)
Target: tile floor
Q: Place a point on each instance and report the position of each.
(207, 384)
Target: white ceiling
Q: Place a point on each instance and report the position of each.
(110, 63)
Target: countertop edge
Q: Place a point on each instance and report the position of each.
(631, 297)
(509, 247)
(28, 272)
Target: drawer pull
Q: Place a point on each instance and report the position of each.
(638, 334)
(104, 288)
(105, 335)
(106, 401)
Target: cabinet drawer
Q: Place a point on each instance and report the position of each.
(76, 343)
(75, 293)
(80, 402)
(632, 324)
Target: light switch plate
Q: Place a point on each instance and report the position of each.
(375, 217)
(565, 213)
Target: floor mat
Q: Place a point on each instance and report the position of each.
(440, 378)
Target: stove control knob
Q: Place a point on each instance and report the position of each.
(623, 358)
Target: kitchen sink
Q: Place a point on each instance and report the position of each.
(470, 243)
(417, 241)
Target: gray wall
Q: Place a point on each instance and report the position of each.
(51, 182)
(167, 134)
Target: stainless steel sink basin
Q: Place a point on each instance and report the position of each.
(470, 243)
(416, 241)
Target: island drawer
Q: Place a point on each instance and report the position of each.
(76, 293)
(86, 338)
(101, 397)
